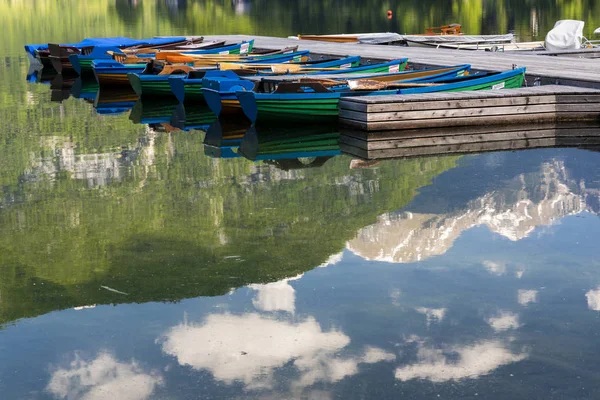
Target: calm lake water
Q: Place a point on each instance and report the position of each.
(135, 266)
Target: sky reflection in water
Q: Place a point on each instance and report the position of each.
(498, 295)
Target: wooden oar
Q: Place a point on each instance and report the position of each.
(367, 84)
(298, 68)
(169, 69)
(324, 82)
(127, 59)
(193, 57)
(277, 68)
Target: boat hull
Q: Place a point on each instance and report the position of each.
(151, 85)
(285, 107)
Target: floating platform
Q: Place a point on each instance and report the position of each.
(465, 140)
(582, 72)
(552, 103)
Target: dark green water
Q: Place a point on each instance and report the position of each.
(134, 266)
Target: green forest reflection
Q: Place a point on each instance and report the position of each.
(151, 216)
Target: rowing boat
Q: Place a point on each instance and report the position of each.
(149, 83)
(221, 97)
(426, 40)
(112, 72)
(283, 55)
(82, 63)
(493, 46)
(365, 38)
(58, 55)
(146, 84)
(315, 102)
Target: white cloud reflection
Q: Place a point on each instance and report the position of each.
(249, 348)
(432, 314)
(276, 296)
(593, 299)
(527, 296)
(504, 321)
(459, 362)
(495, 268)
(102, 378)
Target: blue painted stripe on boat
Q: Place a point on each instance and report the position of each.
(465, 81)
(364, 67)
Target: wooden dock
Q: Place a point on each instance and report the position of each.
(465, 140)
(580, 72)
(552, 103)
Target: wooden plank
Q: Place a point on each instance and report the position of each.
(465, 121)
(477, 94)
(446, 115)
(507, 111)
(461, 130)
(359, 107)
(483, 102)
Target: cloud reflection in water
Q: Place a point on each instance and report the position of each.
(250, 347)
(103, 378)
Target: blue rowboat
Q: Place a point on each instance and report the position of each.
(238, 48)
(148, 83)
(84, 63)
(190, 87)
(221, 100)
(117, 42)
(318, 103)
(220, 94)
(296, 56)
(111, 72)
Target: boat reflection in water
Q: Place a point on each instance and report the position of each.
(148, 111)
(60, 87)
(291, 147)
(114, 100)
(192, 115)
(223, 140)
(37, 73)
(85, 88)
(286, 148)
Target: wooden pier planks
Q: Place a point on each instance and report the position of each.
(561, 70)
(464, 140)
(552, 103)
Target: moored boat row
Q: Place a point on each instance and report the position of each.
(234, 79)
